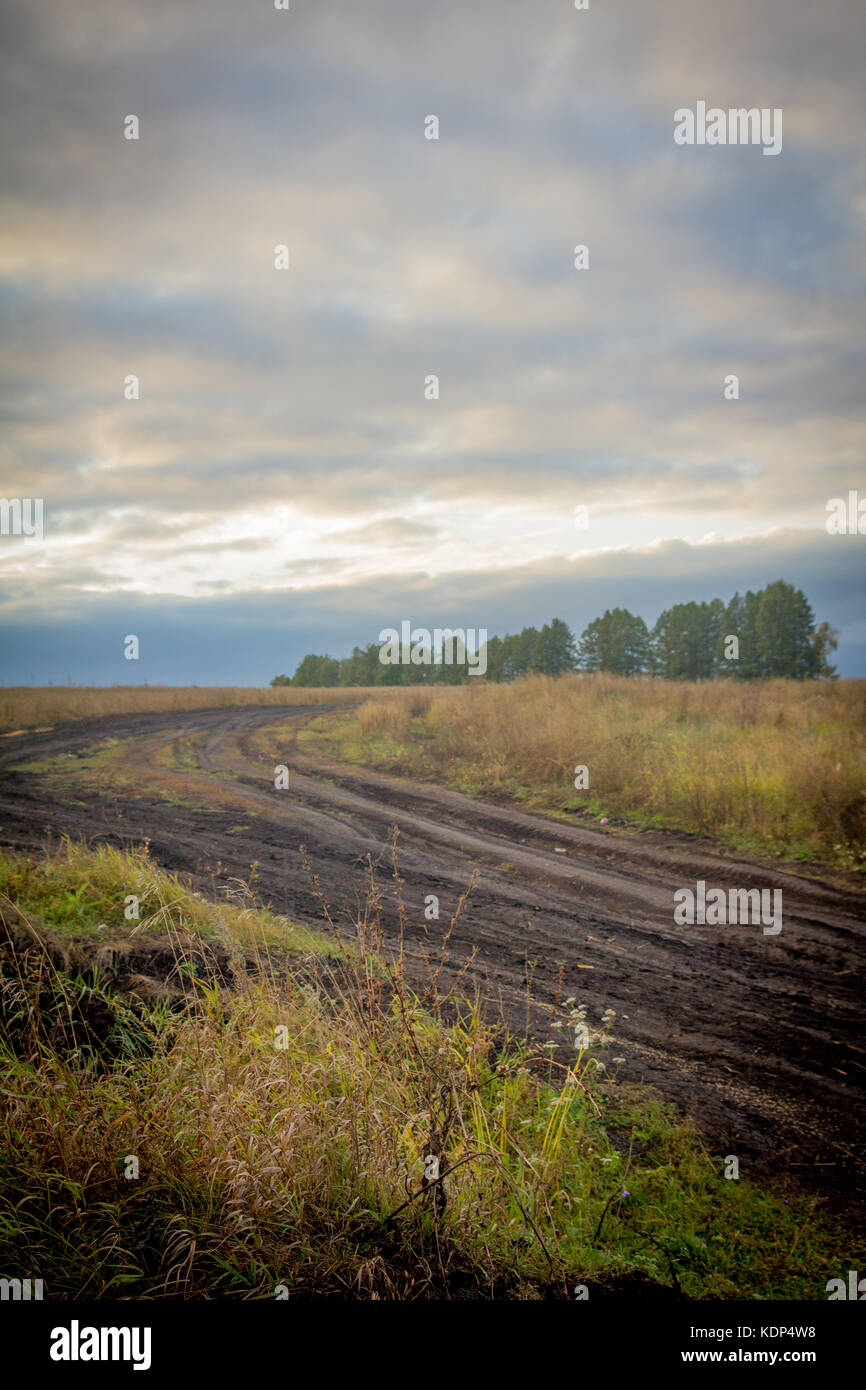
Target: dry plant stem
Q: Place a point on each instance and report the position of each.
(468, 1158)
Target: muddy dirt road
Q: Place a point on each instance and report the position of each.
(758, 1038)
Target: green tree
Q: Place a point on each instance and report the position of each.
(777, 636)
(784, 624)
(775, 629)
(685, 641)
(516, 653)
(739, 621)
(617, 642)
(522, 650)
(494, 659)
(554, 649)
(317, 671)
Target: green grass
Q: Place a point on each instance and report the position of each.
(302, 1164)
(115, 765)
(93, 758)
(82, 895)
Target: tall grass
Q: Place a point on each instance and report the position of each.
(324, 1128)
(777, 766)
(27, 707)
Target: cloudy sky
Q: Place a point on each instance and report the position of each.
(282, 484)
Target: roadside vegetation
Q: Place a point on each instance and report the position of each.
(31, 707)
(773, 768)
(281, 1097)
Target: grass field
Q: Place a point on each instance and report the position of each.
(206, 1101)
(29, 707)
(773, 768)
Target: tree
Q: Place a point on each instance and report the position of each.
(777, 636)
(520, 652)
(784, 624)
(514, 654)
(685, 640)
(739, 622)
(775, 631)
(554, 650)
(617, 642)
(495, 647)
(317, 671)
(362, 667)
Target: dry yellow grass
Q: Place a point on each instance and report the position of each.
(779, 766)
(28, 707)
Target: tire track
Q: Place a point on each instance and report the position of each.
(759, 1039)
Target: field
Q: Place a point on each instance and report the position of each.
(219, 1106)
(567, 1159)
(772, 768)
(28, 707)
(775, 768)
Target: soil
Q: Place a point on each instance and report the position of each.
(757, 1039)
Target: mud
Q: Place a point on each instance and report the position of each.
(758, 1039)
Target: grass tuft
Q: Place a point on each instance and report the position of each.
(318, 1124)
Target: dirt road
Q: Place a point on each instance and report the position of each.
(758, 1038)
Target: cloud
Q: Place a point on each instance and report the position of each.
(282, 431)
(396, 530)
(245, 638)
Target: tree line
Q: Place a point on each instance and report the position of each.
(753, 637)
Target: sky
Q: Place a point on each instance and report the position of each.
(284, 483)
